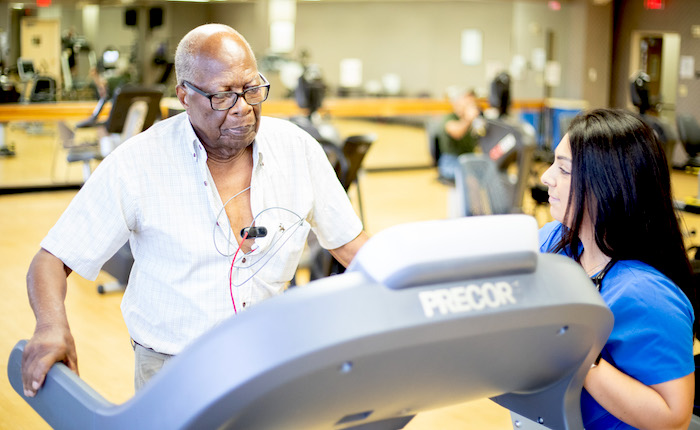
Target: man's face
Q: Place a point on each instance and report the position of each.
(229, 68)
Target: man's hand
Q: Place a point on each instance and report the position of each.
(48, 345)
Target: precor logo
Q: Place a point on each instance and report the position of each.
(467, 298)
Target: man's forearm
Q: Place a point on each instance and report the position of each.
(46, 288)
(347, 252)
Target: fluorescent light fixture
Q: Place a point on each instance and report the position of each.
(472, 47)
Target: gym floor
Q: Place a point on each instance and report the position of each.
(398, 186)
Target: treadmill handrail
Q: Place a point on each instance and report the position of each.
(63, 393)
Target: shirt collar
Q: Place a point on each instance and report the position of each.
(198, 148)
(257, 154)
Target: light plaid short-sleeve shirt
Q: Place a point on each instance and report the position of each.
(155, 190)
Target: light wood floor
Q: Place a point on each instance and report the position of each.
(105, 356)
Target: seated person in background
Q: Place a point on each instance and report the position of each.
(182, 192)
(610, 194)
(460, 134)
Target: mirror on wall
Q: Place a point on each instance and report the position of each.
(56, 64)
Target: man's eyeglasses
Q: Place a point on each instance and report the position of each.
(225, 100)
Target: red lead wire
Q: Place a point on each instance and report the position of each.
(230, 273)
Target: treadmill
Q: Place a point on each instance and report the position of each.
(482, 314)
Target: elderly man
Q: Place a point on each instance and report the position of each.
(216, 204)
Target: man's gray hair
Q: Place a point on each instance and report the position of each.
(190, 46)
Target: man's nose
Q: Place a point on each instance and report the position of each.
(241, 107)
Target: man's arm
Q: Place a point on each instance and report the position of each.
(52, 340)
(346, 253)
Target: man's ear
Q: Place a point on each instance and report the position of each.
(181, 93)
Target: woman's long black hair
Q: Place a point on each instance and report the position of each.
(620, 175)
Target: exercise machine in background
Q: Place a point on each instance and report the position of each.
(494, 319)
(689, 135)
(37, 87)
(494, 180)
(309, 95)
(665, 131)
(681, 145)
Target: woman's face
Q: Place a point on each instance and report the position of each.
(558, 180)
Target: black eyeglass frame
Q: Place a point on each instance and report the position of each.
(226, 93)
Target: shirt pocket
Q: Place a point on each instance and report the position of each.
(285, 250)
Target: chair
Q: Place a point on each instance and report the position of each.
(355, 148)
(689, 136)
(134, 109)
(346, 163)
(317, 260)
(337, 159)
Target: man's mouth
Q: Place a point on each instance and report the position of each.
(243, 129)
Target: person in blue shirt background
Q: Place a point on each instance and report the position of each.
(610, 195)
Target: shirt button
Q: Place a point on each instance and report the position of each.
(194, 155)
(243, 260)
(243, 304)
(205, 183)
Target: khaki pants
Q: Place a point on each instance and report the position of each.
(147, 363)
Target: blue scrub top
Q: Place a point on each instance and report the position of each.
(652, 337)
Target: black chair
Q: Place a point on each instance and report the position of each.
(347, 164)
(337, 159)
(689, 136)
(355, 148)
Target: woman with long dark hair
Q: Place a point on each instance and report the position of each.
(610, 195)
